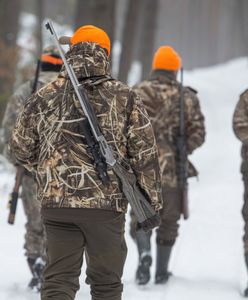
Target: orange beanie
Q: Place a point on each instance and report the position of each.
(90, 33)
(166, 58)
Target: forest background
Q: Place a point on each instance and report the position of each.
(204, 32)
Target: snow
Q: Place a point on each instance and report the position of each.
(207, 261)
(27, 37)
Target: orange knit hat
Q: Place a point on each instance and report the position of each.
(166, 58)
(88, 33)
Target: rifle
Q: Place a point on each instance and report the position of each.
(146, 216)
(182, 156)
(14, 195)
(20, 170)
(37, 73)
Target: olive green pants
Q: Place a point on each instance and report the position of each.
(105, 250)
(170, 214)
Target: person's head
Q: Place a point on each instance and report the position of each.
(88, 33)
(51, 60)
(166, 58)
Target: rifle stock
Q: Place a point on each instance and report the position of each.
(146, 216)
(14, 195)
(184, 202)
(182, 160)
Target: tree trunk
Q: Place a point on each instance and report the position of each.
(9, 24)
(40, 16)
(146, 39)
(100, 13)
(129, 36)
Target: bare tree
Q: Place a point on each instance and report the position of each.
(129, 36)
(146, 38)
(9, 24)
(99, 13)
(204, 32)
(96, 12)
(60, 11)
(40, 16)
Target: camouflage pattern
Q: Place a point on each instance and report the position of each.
(245, 211)
(35, 236)
(16, 103)
(240, 127)
(48, 138)
(160, 94)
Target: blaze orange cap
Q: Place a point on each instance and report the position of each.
(90, 33)
(51, 59)
(166, 58)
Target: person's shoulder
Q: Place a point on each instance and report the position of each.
(24, 88)
(117, 86)
(191, 90)
(21, 94)
(147, 89)
(190, 95)
(143, 84)
(244, 94)
(52, 87)
(243, 98)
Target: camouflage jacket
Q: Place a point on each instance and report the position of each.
(161, 94)
(240, 127)
(16, 103)
(48, 137)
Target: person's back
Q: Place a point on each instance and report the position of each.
(81, 213)
(64, 166)
(161, 97)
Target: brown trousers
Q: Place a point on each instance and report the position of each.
(167, 232)
(105, 250)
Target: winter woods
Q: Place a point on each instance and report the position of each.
(201, 30)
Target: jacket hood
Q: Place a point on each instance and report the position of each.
(47, 76)
(88, 60)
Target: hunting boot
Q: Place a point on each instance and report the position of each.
(145, 259)
(163, 257)
(246, 262)
(36, 267)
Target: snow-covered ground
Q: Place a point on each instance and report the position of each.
(207, 261)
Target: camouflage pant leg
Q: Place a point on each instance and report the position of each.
(245, 211)
(35, 235)
(170, 215)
